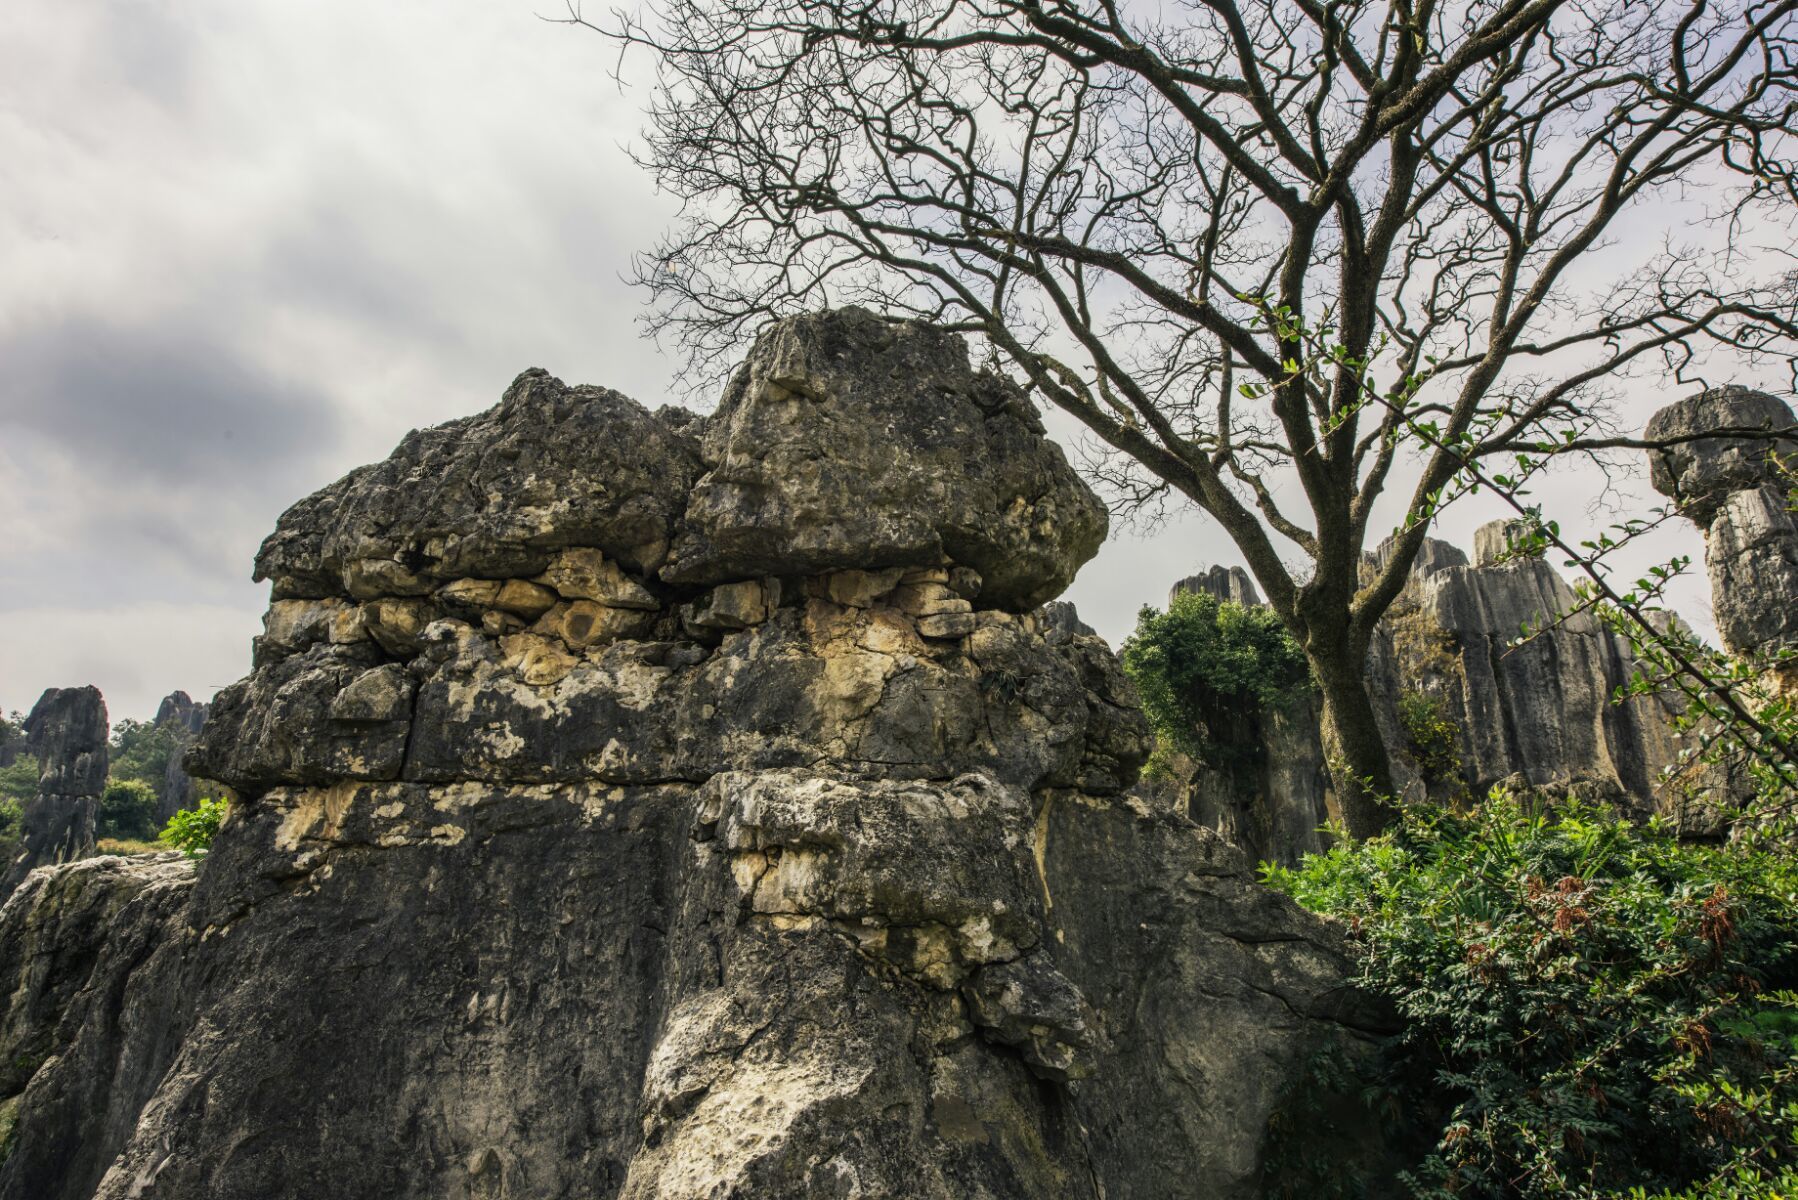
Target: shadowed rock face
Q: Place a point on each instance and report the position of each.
(590, 843)
(66, 730)
(1733, 489)
(183, 716)
(1531, 715)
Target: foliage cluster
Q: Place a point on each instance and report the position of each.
(141, 751)
(1433, 739)
(1203, 663)
(191, 830)
(1590, 1007)
(127, 810)
(18, 781)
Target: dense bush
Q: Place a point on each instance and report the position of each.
(191, 830)
(1591, 1007)
(18, 780)
(1204, 662)
(141, 751)
(127, 809)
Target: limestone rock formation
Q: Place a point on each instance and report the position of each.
(1736, 492)
(847, 442)
(182, 716)
(1537, 714)
(66, 731)
(634, 805)
(1060, 618)
(1226, 583)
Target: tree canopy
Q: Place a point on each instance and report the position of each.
(1282, 257)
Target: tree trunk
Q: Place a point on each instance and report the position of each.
(1360, 768)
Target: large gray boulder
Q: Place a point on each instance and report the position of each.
(783, 873)
(67, 732)
(1701, 473)
(1733, 489)
(851, 441)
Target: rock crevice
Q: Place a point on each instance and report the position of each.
(639, 805)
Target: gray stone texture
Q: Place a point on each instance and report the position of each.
(66, 731)
(1225, 583)
(182, 716)
(1531, 715)
(850, 441)
(1735, 491)
(635, 805)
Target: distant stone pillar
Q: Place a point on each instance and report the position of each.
(67, 731)
(1226, 583)
(1733, 489)
(182, 716)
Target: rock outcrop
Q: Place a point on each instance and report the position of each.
(182, 716)
(1225, 583)
(1737, 492)
(1539, 714)
(66, 731)
(635, 805)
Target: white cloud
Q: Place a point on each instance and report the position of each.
(248, 245)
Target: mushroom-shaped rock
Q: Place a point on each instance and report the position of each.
(1733, 488)
(1703, 472)
(851, 441)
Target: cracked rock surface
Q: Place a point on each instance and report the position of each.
(67, 732)
(643, 805)
(1738, 492)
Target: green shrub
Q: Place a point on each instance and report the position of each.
(1590, 1007)
(18, 781)
(1204, 664)
(127, 809)
(1744, 1182)
(191, 830)
(1433, 740)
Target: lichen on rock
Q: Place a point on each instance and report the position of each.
(640, 805)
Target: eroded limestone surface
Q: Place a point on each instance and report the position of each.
(66, 731)
(1534, 712)
(640, 805)
(1737, 490)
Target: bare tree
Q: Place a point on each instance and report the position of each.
(1278, 255)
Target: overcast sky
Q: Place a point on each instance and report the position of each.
(247, 245)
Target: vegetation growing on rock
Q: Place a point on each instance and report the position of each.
(1204, 664)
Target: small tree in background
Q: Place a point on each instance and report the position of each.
(127, 810)
(141, 751)
(1203, 665)
(1279, 256)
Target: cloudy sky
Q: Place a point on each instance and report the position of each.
(247, 245)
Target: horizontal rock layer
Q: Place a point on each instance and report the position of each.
(635, 805)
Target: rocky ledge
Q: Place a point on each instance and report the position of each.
(639, 805)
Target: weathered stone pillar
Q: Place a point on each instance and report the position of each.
(67, 732)
(1734, 490)
(182, 715)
